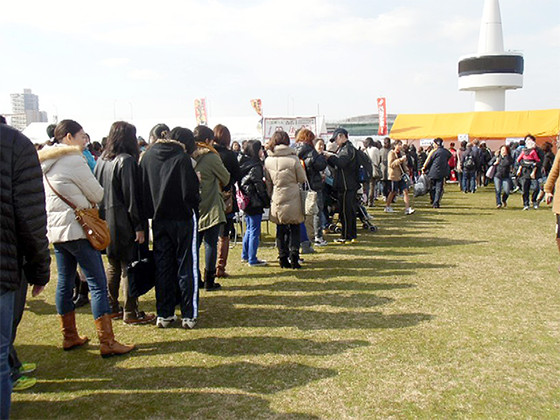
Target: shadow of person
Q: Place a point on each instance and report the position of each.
(178, 403)
(39, 306)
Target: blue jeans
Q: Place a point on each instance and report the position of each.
(251, 238)
(499, 185)
(469, 181)
(7, 300)
(210, 238)
(68, 256)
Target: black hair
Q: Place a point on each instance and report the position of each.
(368, 142)
(438, 141)
(158, 131)
(252, 149)
(65, 127)
(183, 136)
(203, 133)
(50, 130)
(3, 120)
(121, 139)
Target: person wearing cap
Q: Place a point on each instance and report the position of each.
(345, 183)
(437, 169)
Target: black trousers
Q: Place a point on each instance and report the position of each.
(348, 207)
(176, 259)
(287, 240)
(436, 191)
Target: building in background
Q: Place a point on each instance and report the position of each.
(361, 126)
(25, 109)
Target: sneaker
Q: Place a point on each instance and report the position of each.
(389, 209)
(499, 206)
(188, 323)
(320, 242)
(165, 322)
(409, 211)
(140, 318)
(243, 260)
(23, 382)
(27, 368)
(341, 241)
(536, 206)
(258, 263)
(525, 208)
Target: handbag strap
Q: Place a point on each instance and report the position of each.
(72, 205)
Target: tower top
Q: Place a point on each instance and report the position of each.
(491, 39)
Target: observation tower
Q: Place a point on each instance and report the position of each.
(492, 70)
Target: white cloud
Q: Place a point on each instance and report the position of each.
(144, 74)
(114, 62)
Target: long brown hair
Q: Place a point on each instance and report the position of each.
(279, 137)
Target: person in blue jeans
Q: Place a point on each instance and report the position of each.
(503, 163)
(70, 183)
(254, 187)
(24, 248)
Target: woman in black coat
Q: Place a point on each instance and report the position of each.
(222, 140)
(254, 189)
(314, 163)
(117, 172)
(503, 163)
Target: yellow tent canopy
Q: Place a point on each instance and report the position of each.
(487, 125)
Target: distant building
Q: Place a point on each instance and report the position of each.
(25, 109)
(361, 126)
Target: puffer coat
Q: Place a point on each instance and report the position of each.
(23, 220)
(68, 172)
(314, 164)
(283, 174)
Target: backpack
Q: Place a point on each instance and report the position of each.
(469, 163)
(365, 167)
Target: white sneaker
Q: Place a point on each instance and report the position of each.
(389, 209)
(409, 210)
(188, 323)
(320, 242)
(162, 322)
(526, 208)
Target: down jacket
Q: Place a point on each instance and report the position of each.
(253, 186)
(314, 163)
(283, 174)
(68, 172)
(213, 177)
(23, 220)
(121, 206)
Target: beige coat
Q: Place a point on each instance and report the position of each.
(552, 185)
(70, 175)
(283, 174)
(395, 166)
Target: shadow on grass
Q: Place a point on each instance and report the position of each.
(320, 286)
(157, 404)
(39, 306)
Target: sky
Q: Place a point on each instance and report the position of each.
(130, 60)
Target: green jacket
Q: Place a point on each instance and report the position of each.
(213, 175)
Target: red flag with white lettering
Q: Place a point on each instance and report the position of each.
(382, 110)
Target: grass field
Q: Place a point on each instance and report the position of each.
(447, 313)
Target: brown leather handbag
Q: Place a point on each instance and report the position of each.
(95, 228)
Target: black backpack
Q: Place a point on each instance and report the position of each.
(469, 164)
(365, 167)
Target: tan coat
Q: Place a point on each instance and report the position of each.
(552, 185)
(283, 174)
(395, 166)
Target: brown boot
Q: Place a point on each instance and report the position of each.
(108, 345)
(70, 335)
(223, 250)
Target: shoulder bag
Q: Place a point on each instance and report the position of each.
(95, 228)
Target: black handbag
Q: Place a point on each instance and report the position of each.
(141, 274)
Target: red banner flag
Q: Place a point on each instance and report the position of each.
(382, 111)
(257, 106)
(200, 111)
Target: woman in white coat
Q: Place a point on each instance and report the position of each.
(66, 174)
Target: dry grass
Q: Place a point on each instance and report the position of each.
(447, 313)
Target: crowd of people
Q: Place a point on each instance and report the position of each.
(186, 188)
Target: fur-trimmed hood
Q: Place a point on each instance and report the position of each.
(49, 155)
(203, 149)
